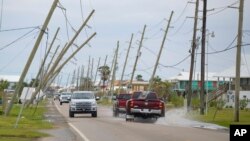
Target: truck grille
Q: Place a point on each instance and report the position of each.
(83, 105)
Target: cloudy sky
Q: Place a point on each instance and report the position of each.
(116, 20)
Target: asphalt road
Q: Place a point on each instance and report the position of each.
(108, 128)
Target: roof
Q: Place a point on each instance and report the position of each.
(244, 69)
(10, 78)
(184, 76)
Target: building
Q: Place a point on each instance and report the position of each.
(136, 85)
(180, 82)
(229, 73)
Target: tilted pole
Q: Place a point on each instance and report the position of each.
(30, 59)
(159, 54)
(125, 63)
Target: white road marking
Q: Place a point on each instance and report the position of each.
(72, 126)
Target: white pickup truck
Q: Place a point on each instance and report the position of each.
(83, 102)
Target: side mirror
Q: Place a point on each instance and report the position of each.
(97, 98)
(114, 97)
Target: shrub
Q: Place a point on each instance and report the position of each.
(177, 101)
(195, 103)
(243, 104)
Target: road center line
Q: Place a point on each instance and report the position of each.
(72, 126)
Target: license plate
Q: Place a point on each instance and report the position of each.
(145, 110)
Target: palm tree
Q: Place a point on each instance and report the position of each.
(105, 72)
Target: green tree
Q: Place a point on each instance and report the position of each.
(139, 77)
(33, 81)
(3, 84)
(162, 88)
(105, 73)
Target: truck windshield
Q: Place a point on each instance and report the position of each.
(83, 96)
(124, 96)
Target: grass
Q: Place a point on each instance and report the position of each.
(224, 117)
(28, 126)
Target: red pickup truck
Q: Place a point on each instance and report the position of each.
(145, 105)
(119, 105)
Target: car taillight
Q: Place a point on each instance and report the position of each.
(161, 105)
(131, 104)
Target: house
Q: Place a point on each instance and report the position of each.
(136, 85)
(230, 73)
(180, 82)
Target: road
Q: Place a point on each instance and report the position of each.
(108, 128)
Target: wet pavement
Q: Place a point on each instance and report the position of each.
(176, 117)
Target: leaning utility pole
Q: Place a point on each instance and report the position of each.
(203, 44)
(30, 59)
(97, 70)
(114, 71)
(238, 62)
(189, 96)
(87, 83)
(45, 58)
(130, 43)
(137, 56)
(159, 54)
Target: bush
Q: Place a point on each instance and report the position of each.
(177, 101)
(195, 103)
(243, 104)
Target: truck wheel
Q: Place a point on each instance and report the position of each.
(94, 114)
(71, 114)
(163, 113)
(115, 113)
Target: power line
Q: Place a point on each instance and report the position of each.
(21, 28)
(222, 8)
(18, 54)
(16, 40)
(177, 62)
(184, 9)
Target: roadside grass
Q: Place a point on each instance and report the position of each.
(28, 126)
(223, 117)
(105, 102)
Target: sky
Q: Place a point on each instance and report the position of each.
(116, 20)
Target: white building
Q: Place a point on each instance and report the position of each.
(244, 81)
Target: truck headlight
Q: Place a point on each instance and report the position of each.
(93, 104)
(72, 104)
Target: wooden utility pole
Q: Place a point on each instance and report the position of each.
(92, 67)
(203, 49)
(238, 62)
(105, 60)
(30, 59)
(78, 79)
(45, 58)
(114, 71)
(159, 54)
(190, 91)
(97, 70)
(125, 63)
(137, 56)
(88, 77)
(55, 71)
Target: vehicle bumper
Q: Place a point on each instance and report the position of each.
(83, 110)
(145, 111)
